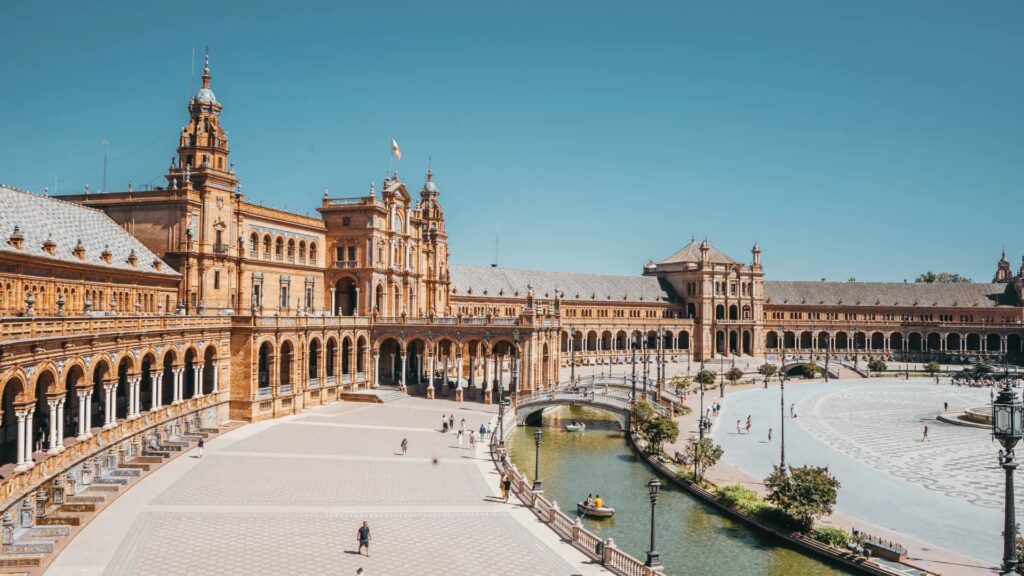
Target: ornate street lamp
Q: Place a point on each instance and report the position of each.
(1007, 427)
(828, 348)
(572, 357)
(700, 417)
(654, 486)
(782, 421)
(633, 347)
(536, 460)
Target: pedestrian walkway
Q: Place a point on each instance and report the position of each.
(938, 495)
(287, 495)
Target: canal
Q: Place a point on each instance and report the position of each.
(691, 537)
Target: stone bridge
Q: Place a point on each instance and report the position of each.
(611, 397)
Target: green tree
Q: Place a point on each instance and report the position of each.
(643, 413)
(767, 370)
(734, 375)
(877, 366)
(682, 384)
(705, 378)
(702, 454)
(932, 368)
(812, 370)
(930, 277)
(657, 431)
(805, 492)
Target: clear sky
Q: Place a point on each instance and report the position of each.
(872, 139)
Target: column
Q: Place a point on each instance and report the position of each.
(53, 427)
(487, 382)
(1003, 344)
(198, 392)
(430, 376)
(401, 377)
(60, 425)
(110, 404)
(21, 467)
(458, 378)
(88, 415)
(29, 463)
(155, 390)
(334, 309)
(130, 384)
(376, 368)
(216, 376)
(83, 415)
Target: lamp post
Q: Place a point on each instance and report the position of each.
(572, 357)
(1007, 416)
(654, 486)
(828, 347)
(633, 347)
(646, 359)
(782, 421)
(700, 417)
(721, 373)
(536, 460)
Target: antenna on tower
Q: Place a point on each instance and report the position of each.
(497, 236)
(106, 152)
(192, 75)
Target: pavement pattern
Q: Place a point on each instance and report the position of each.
(286, 496)
(946, 490)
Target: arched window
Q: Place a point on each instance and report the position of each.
(291, 249)
(302, 250)
(266, 246)
(312, 253)
(254, 244)
(279, 248)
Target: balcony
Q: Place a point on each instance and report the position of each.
(220, 248)
(345, 263)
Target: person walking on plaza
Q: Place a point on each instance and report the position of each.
(925, 436)
(201, 446)
(506, 486)
(363, 537)
(472, 440)
(405, 445)
(945, 406)
(792, 410)
(462, 425)
(451, 421)
(738, 431)
(444, 423)
(769, 434)
(458, 437)
(748, 425)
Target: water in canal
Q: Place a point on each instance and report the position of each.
(691, 537)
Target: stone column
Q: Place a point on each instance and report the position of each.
(53, 427)
(88, 414)
(21, 466)
(401, 377)
(216, 376)
(155, 390)
(198, 392)
(108, 401)
(458, 378)
(60, 425)
(430, 377)
(487, 382)
(131, 398)
(28, 438)
(334, 309)
(83, 415)
(376, 368)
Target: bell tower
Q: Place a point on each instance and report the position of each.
(1003, 271)
(203, 144)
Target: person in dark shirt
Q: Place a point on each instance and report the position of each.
(363, 536)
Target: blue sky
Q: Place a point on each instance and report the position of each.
(869, 139)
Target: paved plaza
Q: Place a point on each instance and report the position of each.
(286, 496)
(945, 490)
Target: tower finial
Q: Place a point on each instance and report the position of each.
(206, 69)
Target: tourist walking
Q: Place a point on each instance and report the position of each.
(363, 537)
(738, 430)
(506, 486)
(462, 425)
(444, 423)
(792, 410)
(748, 425)
(458, 437)
(769, 434)
(472, 440)
(451, 421)
(945, 406)
(201, 446)
(925, 435)
(405, 445)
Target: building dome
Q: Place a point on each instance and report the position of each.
(205, 96)
(430, 186)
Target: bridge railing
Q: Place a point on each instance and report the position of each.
(612, 398)
(570, 529)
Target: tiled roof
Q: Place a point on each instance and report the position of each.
(887, 294)
(691, 253)
(507, 282)
(65, 223)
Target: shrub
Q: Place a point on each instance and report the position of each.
(804, 492)
(832, 535)
(877, 366)
(748, 501)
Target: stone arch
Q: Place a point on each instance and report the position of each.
(973, 342)
(953, 341)
(896, 341)
(378, 300)
(934, 342)
(733, 312)
(285, 364)
(746, 312)
(823, 340)
(683, 340)
(805, 340)
(331, 358)
(842, 340)
(914, 342)
(860, 341)
(606, 340)
(14, 396)
(192, 361)
(620, 340)
(313, 359)
(591, 341)
(360, 355)
(265, 366)
(210, 367)
(771, 340)
(788, 340)
(345, 296)
(1014, 344)
(747, 349)
(720, 312)
(563, 337)
(993, 342)
(877, 341)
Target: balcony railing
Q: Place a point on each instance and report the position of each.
(345, 263)
(220, 248)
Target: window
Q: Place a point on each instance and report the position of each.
(352, 253)
(254, 244)
(279, 248)
(216, 279)
(284, 294)
(346, 221)
(312, 253)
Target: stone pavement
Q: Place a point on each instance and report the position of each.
(935, 497)
(287, 495)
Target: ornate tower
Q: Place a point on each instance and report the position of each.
(1004, 274)
(435, 246)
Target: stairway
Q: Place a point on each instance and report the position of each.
(378, 395)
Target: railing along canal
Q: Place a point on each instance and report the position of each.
(569, 529)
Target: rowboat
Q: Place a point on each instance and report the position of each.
(575, 427)
(603, 512)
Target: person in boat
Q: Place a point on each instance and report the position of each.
(598, 503)
(589, 503)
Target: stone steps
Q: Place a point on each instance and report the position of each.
(20, 561)
(104, 488)
(59, 521)
(78, 507)
(84, 499)
(29, 548)
(126, 472)
(110, 481)
(135, 466)
(147, 460)
(48, 532)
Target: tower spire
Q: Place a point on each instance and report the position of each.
(206, 69)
